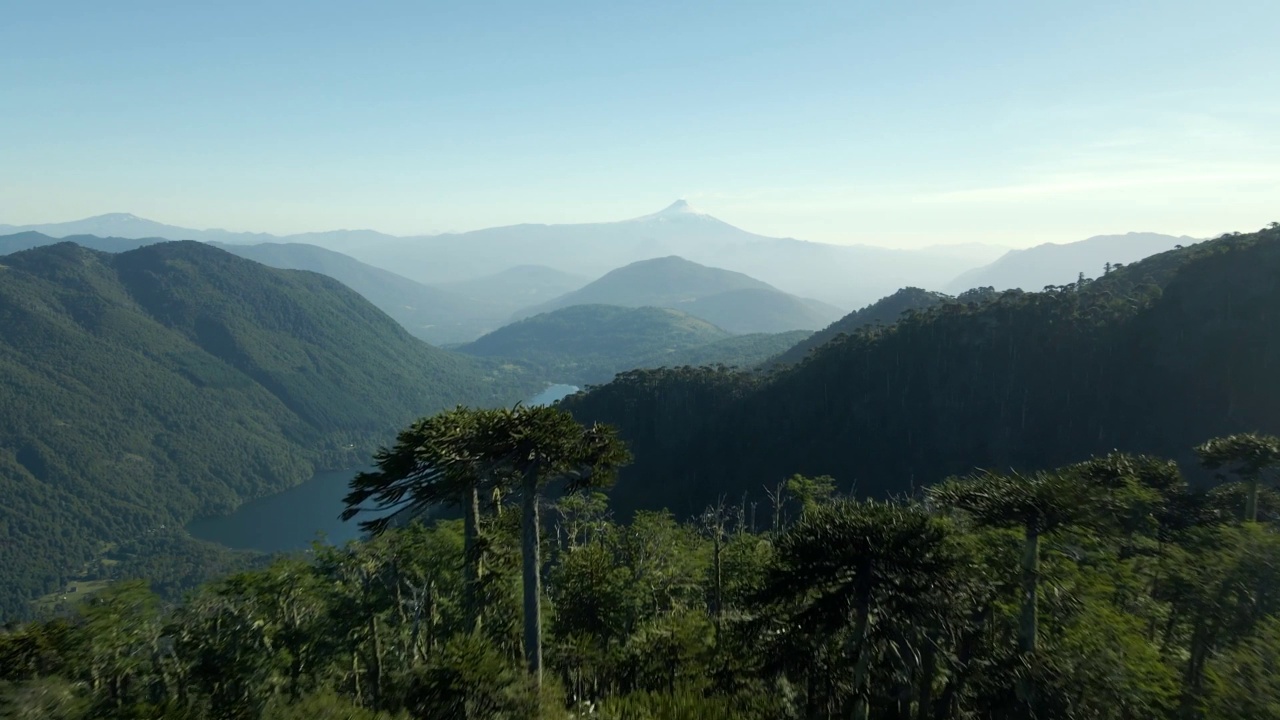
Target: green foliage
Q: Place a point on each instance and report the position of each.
(585, 344)
(1143, 598)
(177, 380)
(883, 312)
(468, 678)
(859, 609)
(730, 300)
(1156, 356)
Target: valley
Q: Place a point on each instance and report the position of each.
(191, 406)
(194, 314)
(639, 361)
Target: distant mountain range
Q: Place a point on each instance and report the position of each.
(515, 288)
(1153, 358)
(587, 344)
(1060, 264)
(436, 315)
(730, 300)
(144, 388)
(842, 275)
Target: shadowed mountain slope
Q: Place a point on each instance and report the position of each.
(1154, 357)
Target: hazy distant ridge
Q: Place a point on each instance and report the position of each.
(1060, 264)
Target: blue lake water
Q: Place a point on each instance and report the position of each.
(293, 519)
(552, 394)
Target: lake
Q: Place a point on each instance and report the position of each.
(292, 519)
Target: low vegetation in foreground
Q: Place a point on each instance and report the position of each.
(1103, 589)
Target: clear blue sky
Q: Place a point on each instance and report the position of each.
(889, 122)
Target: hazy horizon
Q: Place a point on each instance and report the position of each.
(285, 236)
(1005, 123)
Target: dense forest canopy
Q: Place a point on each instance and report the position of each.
(1106, 589)
(1010, 562)
(1150, 357)
(177, 380)
(584, 344)
(885, 311)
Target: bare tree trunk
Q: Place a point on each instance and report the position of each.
(472, 568)
(1028, 626)
(928, 669)
(530, 540)
(861, 706)
(719, 547)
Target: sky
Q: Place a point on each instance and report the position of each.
(894, 122)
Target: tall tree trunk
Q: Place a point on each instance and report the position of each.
(530, 540)
(375, 682)
(719, 616)
(928, 669)
(1028, 627)
(472, 563)
(861, 706)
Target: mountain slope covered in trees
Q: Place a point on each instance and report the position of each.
(885, 311)
(730, 300)
(584, 344)
(140, 389)
(1153, 357)
(436, 315)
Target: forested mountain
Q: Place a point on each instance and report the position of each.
(1103, 587)
(885, 311)
(1153, 357)
(436, 315)
(584, 344)
(842, 275)
(730, 300)
(741, 351)
(140, 389)
(1058, 264)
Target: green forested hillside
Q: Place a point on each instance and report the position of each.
(1102, 590)
(1152, 357)
(141, 389)
(433, 314)
(730, 300)
(885, 311)
(585, 344)
(741, 351)
(590, 343)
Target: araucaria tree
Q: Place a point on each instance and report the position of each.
(1249, 456)
(1037, 504)
(457, 453)
(848, 567)
(439, 460)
